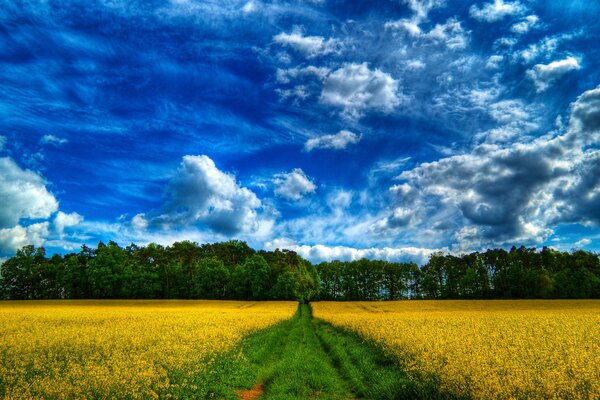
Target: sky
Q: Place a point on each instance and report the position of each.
(338, 129)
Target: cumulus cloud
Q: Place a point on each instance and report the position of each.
(310, 46)
(18, 236)
(53, 140)
(339, 141)
(293, 185)
(514, 193)
(25, 201)
(356, 88)
(585, 116)
(492, 12)
(139, 222)
(543, 75)
(319, 253)
(63, 220)
(23, 195)
(200, 194)
(525, 25)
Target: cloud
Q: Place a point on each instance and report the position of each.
(515, 193)
(64, 220)
(249, 7)
(582, 243)
(545, 48)
(23, 195)
(585, 116)
(200, 194)
(18, 236)
(293, 185)
(525, 25)
(492, 12)
(451, 33)
(286, 75)
(339, 141)
(53, 140)
(319, 253)
(543, 75)
(310, 46)
(355, 88)
(3, 141)
(139, 222)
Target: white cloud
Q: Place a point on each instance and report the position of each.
(582, 243)
(293, 185)
(492, 12)
(545, 48)
(494, 61)
(339, 141)
(201, 194)
(451, 33)
(64, 220)
(18, 236)
(53, 140)
(284, 76)
(139, 222)
(23, 195)
(543, 75)
(415, 65)
(411, 26)
(249, 7)
(512, 193)
(356, 88)
(310, 46)
(421, 8)
(318, 253)
(525, 25)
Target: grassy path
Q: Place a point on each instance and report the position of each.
(304, 358)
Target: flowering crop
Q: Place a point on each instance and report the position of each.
(120, 349)
(486, 349)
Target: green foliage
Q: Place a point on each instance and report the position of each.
(366, 280)
(232, 270)
(229, 270)
(520, 273)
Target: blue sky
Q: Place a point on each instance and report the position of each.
(380, 129)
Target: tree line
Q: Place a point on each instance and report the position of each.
(233, 270)
(520, 273)
(184, 270)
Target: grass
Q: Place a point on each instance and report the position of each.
(305, 358)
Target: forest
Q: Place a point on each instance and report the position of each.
(233, 270)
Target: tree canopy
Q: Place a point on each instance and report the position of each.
(232, 270)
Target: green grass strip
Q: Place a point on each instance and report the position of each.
(305, 358)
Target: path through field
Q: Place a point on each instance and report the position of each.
(304, 358)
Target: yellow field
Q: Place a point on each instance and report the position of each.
(119, 349)
(486, 349)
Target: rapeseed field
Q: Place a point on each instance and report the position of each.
(121, 349)
(535, 349)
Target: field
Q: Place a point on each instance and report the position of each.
(107, 349)
(485, 349)
(121, 349)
